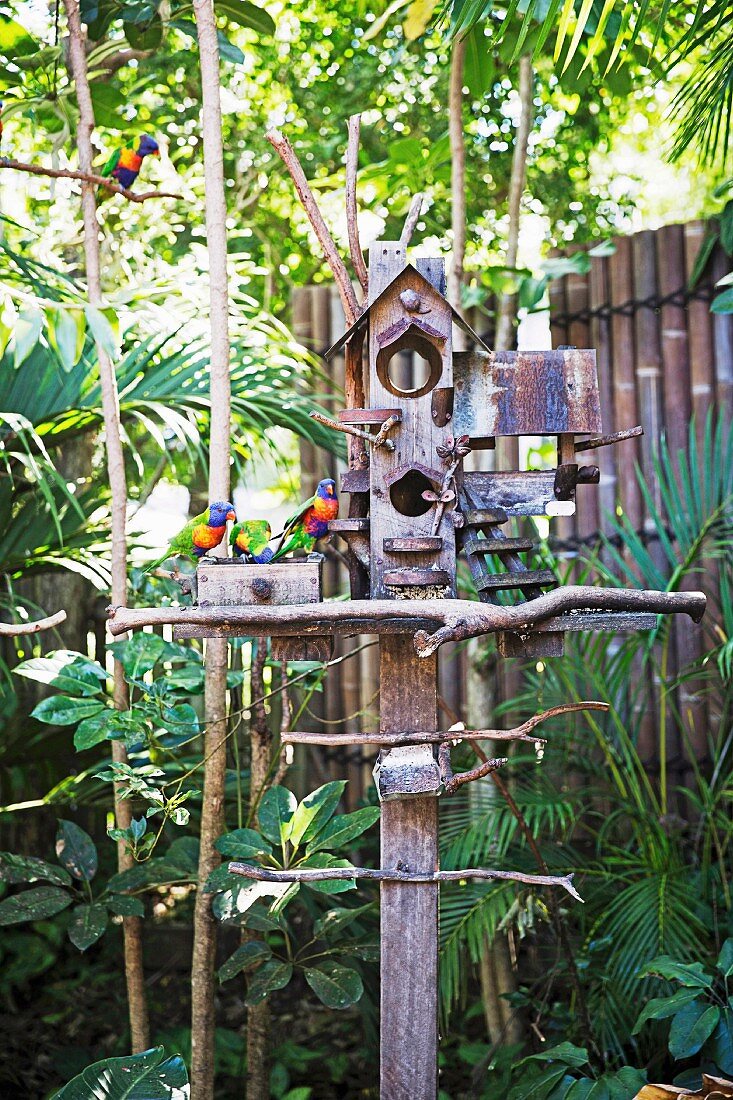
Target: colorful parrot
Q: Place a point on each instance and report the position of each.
(201, 534)
(124, 164)
(250, 539)
(310, 522)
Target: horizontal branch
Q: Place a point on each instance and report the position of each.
(606, 440)
(16, 630)
(456, 619)
(86, 177)
(424, 737)
(307, 874)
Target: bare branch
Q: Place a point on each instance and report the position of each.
(284, 149)
(453, 782)
(352, 223)
(16, 630)
(413, 216)
(607, 440)
(87, 177)
(308, 874)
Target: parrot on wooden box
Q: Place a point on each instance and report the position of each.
(201, 534)
(310, 522)
(250, 539)
(125, 163)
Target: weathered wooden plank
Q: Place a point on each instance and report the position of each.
(409, 911)
(355, 481)
(416, 576)
(233, 585)
(525, 393)
(301, 649)
(366, 416)
(531, 645)
(521, 579)
(473, 545)
(482, 517)
(518, 493)
(356, 526)
(424, 544)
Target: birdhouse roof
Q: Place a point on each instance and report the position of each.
(361, 321)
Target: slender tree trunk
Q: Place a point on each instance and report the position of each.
(457, 180)
(212, 811)
(132, 926)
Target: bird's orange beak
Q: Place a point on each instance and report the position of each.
(231, 515)
(329, 490)
(156, 152)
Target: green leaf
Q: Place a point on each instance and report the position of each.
(92, 730)
(720, 1046)
(479, 70)
(27, 333)
(692, 1025)
(246, 956)
(659, 1008)
(14, 869)
(247, 15)
(105, 336)
(123, 906)
(313, 812)
(242, 844)
(723, 303)
(567, 1053)
(146, 1076)
(228, 51)
(275, 812)
(701, 261)
(66, 332)
(61, 710)
(76, 850)
(579, 1090)
(329, 886)
(335, 920)
(140, 654)
(726, 227)
(335, 985)
(270, 976)
(344, 827)
(689, 974)
(538, 1088)
(88, 923)
(329, 796)
(67, 671)
(38, 904)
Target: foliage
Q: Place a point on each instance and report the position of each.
(146, 1076)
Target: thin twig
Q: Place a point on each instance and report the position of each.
(308, 874)
(413, 216)
(16, 630)
(454, 781)
(352, 223)
(378, 440)
(86, 177)
(284, 149)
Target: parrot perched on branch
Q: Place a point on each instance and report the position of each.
(201, 534)
(310, 522)
(124, 164)
(250, 539)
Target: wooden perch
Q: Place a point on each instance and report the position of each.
(413, 216)
(86, 177)
(606, 440)
(378, 440)
(284, 149)
(307, 874)
(352, 223)
(15, 630)
(453, 782)
(456, 619)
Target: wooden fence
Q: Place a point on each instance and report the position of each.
(662, 357)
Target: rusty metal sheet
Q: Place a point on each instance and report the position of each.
(519, 493)
(526, 393)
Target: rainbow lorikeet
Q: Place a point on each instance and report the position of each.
(310, 522)
(124, 164)
(250, 539)
(201, 534)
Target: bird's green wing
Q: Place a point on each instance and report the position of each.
(112, 163)
(296, 517)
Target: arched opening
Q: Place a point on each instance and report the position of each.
(406, 494)
(427, 365)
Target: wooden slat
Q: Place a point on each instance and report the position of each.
(518, 493)
(420, 577)
(355, 481)
(366, 416)
(540, 577)
(474, 545)
(483, 517)
(424, 544)
(339, 526)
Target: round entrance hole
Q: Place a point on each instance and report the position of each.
(427, 365)
(406, 494)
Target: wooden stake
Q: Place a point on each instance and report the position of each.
(352, 223)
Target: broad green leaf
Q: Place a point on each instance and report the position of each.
(335, 920)
(579, 1090)
(660, 1008)
(61, 710)
(66, 331)
(14, 869)
(329, 886)
(67, 671)
(221, 878)
(92, 730)
(146, 37)
(343, 828)
(38, 904)
(312, 813)
(104, 334)
(228, 51)
(27, 332)
(88, 923)
(567, 1053)
(723, 303)
(76, 850)
(108, 103)
(720, 1045)
(123, 906)
(692, 1025)
(689, 974)
(146, 1076)
(726, 227)
(270, 976)
(275, 812)
(181, 720)
(417, 18)
(14, 38)
(140, 654)
(246, 956)
(329, 796)
(335, 985)
(247, 15)
(242, 844)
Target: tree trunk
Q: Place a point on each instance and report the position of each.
(457, 181)
(212, 812)
(132, 926)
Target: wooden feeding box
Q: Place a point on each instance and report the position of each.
(224, 584)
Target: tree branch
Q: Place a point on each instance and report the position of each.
(284, 149)
(17, 630)
(352, 223)
(87, 177)
(413, 216)
(307, 874)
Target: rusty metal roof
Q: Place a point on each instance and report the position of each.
(361, 321)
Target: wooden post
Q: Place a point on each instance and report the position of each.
(409, 911)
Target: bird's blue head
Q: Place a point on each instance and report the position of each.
(148, 146)
(219, 512)
(326, 489)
